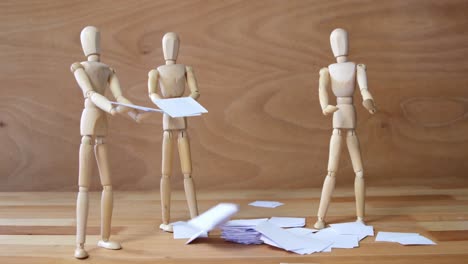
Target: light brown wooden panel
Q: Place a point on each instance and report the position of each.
(257, 65)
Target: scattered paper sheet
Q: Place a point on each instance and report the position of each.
(142, 108)
(181, 106)
(300, 231)
(207, 221)
(279, 237)
(353, 228)
(287, 221)
(182, 230)
(245, 222)
(403, 238)
(339, 240)
(267, 204)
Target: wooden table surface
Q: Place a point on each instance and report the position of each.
(37, 227)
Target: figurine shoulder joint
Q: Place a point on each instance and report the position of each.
(362, 66)
(323, 71)
(75, 66)
(153, 72)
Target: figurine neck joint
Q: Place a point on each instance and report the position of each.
(93, 57)
(342, 58)
(169, 62)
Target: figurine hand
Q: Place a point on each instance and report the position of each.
(142, 116)
(369, 105)
(113, 111)
(123, 109)
(330, 109)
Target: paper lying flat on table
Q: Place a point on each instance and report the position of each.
(142, 108)
(287, 221)
(353, 228)
(278, 237)
(245, 222)
(339, 240)
(181, 106)
(267, 204)
(207, 221)
(403, 238)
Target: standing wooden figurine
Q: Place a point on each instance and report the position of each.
(343, 76)
(172, 79)
(94, 77)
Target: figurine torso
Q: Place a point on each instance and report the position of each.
(172, 84)
(343, 81)
(98, 74)
(172, 80)
(93, 119)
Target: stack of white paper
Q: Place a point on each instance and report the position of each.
(202, 224)
(404, 238)
(242, 231)
(288, 221)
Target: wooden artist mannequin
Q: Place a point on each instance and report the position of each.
(172, 79)
(343, 76)
(94, 77)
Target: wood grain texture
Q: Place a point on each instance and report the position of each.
(257, 66)
(47, 235)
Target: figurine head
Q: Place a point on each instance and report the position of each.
(170, 44)
(339, 42)
(90, 41)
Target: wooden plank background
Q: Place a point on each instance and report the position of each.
(257, 65)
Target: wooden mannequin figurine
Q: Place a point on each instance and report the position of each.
(171, 79)
(94, 77)
(343, 76)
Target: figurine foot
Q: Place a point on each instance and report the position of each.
(360, 220)
(320, 224)
(109, 244)
(80, 253)
(166, 228)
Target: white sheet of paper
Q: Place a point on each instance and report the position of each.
(267, 204)
(181, 106)
(392, 236)
(142, 108)
(353, 228)
(245, 222)
(215, 216)
(339, 240)
(300, 231)
(289, 241)
(288, 221)
(403, 238)
(182, 230)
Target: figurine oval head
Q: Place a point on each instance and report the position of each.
(90, 41)
(339, 42)
(170, 44)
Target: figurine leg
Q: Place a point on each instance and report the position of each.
(359, 185)
(186, 164)
(165, 186)
(107, 198)
(329, 183)
(82, 201)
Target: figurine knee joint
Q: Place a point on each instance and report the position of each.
(360, 174)
(83, 189)
(331, 174)
(107, 187)
(165, 176)
(86, 140)
(100, 140)
(187, 176)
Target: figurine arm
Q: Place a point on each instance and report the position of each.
(368, 100)
(88, 92)
(324, 82)
(192, 83)
(114, 86)
(153, 78)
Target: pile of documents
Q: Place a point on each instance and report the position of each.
(242, 231)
